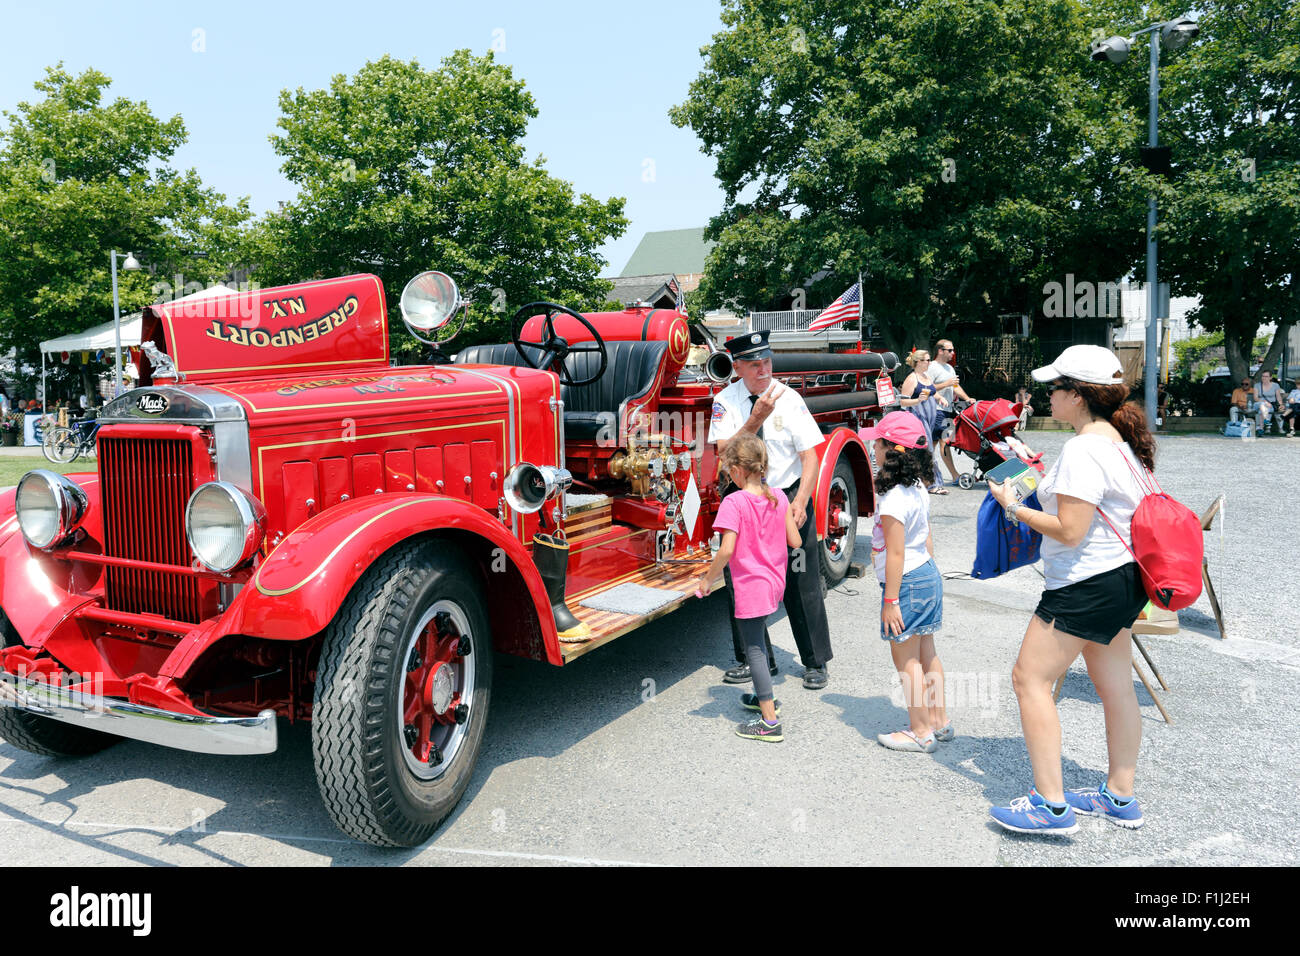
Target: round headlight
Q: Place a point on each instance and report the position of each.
(49, 507)
(224, 525)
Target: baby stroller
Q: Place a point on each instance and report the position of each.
(985, 431)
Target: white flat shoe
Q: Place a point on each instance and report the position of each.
(910, 743)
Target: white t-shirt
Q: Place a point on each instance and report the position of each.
(910, 504)
(1091, 468)
(789, 430)
(941, 372)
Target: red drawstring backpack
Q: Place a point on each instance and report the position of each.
(1168, 545)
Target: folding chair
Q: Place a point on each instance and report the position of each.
(1158, 622)
(1207, 520)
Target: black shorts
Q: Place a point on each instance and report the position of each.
(1096, 608)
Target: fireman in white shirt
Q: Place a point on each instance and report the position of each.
(759, 405)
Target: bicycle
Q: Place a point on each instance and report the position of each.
(63, 444)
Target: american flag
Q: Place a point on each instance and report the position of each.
(847, 306)
(681, 296)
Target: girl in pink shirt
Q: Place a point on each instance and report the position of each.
(756, 527)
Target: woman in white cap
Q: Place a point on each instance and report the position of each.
(1094, 592)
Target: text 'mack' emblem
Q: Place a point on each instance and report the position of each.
(151, 403)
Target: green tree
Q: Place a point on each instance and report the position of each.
(79, 177)
(402, 169)
(955, 149)
(1230, 230)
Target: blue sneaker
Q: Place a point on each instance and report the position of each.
(1030, 815)
(1099, 800)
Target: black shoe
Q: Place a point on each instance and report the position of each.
(750, 702)
(814, 678)
(757, 729)
(741, 674)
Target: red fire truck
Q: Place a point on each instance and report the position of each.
(283, 526)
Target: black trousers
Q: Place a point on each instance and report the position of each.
(803, 599)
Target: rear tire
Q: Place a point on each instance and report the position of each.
(407, 649)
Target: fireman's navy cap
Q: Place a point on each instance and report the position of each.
(750, 347)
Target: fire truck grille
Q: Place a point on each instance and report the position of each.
(146, 484)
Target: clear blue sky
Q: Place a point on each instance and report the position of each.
(603, 76)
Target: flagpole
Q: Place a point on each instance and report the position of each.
(861, 299)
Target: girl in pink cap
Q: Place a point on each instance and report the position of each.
(911, 587)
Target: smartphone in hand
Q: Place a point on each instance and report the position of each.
(1024, 479)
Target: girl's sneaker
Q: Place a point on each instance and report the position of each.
(1030, 814)
(758, 729)
(1101, 801)
(750, 702)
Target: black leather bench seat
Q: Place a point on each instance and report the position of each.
(631, 373)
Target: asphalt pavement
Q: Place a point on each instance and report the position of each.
(627, 756)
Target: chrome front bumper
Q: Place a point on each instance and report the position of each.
(198, 733)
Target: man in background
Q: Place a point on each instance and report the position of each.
(944, 375)
(1241, 401)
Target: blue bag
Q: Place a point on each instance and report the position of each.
(1001, 546)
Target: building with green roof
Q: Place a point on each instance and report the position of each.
(679, 252)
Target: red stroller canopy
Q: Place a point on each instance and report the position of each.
(993, 420)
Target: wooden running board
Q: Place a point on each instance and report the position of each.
(607, 625)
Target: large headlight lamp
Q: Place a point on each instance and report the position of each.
(50, 508)
(224, 525)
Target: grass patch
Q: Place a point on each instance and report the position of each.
(13, 468)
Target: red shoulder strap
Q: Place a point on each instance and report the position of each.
(1150, 480)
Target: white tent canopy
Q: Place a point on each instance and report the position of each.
(99, 337)
(105, 336)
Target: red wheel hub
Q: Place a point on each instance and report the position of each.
(436, 651)
(834, 529)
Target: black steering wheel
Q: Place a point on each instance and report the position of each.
(554, 348)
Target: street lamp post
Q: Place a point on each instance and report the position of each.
(131, 264)
(1172, 34)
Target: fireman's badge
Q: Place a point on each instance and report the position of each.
(719, 411)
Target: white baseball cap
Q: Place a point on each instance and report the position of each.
(1083, 363)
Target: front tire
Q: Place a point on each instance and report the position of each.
(837, 547)
(402, 694)
(64, 446)
(49, 438)
(41, 735)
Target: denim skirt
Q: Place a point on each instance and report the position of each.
(920, 600)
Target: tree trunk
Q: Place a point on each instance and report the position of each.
(1275, 349)
(1239, 344)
